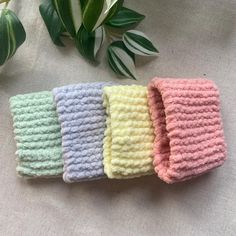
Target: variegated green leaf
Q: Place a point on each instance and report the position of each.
(70, 13)
(89, 43)
(12, 34)
(52, 21)
(115, 8)
(96, 12)
(91, 13)
(121, 60)
(138, 43)
(110, 4)
(125, 18)
(99, 39)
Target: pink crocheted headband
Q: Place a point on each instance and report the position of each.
(189, 135)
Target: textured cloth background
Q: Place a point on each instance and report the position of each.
(195, 38)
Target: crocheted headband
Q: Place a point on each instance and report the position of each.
(37, 135)
(82, 118)
(189, 136)
(129, 135)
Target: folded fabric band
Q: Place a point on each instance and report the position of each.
(37, 135)
(189, 135)
(82, 118)
(129, 135)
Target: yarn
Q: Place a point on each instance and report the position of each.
(37, 135)
(173, 128)
(82, 118)
(129, 134)
(189, 135)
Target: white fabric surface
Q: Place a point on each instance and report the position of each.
(196, 38)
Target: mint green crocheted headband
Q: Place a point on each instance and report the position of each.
(37, 135)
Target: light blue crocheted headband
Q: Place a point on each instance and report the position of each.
(82, 119)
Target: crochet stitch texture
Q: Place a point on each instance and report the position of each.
(82, 118)
(129, 135)
(189, 135)
(37, 135)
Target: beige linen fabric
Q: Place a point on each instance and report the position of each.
(196, 38)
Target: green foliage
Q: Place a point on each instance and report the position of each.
(52, 21)
(70, 14)
(125, 18)
(12, 34)
(121, 60)
(87, 23)
(138, 43)
(89, 43)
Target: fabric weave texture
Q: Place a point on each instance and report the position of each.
(82, 118)
(129, 134)
(37, 135)
(189, 133)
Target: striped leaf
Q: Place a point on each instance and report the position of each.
(12, 34)
(125, 18)
(52, 21)
(110, 4)
(96, 12)
(89, 43)
(138, 43)
(121, 60)
(70, 14)
(116, 7)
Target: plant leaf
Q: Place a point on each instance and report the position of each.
(76, 13)
(110, 4)
(89, 43)
(125, 18)
(69, 12)
(83, 3)
(52, 21)
(99, 39)
(121, 60)
(138, 43)
(12, 34)
(97, 12)
(91, 13)
(109, 9)
(115, 8)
